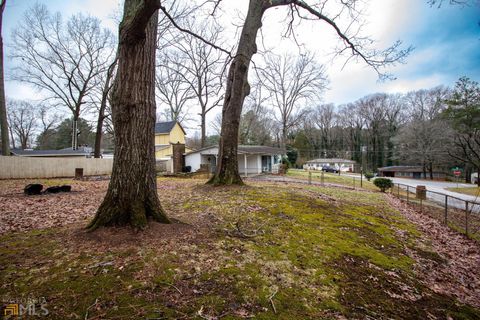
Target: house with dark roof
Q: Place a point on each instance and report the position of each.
(415, 172)
(338, 164)
(251, 159)
(168, 134)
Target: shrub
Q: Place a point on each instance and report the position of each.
(368, 175)
(383, 183)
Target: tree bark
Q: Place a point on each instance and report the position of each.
(237, 89)
(204, 131)
(3, 107)
(132, 193)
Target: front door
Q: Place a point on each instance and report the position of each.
(266, 163)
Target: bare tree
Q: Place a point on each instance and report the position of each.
(64, 60)
(426, 104)
(173, 90)
(255, 123)
(324, 118)
(102, 110)
(132, 197)
(22, 116)
(350, 117)
(373, 111)
(49, 119)
(439, 3)
(203, 67)
(424, 143)
(3, 108)
(292, 82)
(238, 88)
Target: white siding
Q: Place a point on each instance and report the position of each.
(254, 164)
(193, 160)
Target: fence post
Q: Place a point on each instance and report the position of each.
(353, 182)
(361, 178)
(408, 191)
(322, 178)
(309, 177)
(398, 190)
(446, 209)
(466, 218)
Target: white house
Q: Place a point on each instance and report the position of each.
(338, 164)
(251, 159)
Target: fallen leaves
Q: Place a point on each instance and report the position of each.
(459, 272)
(22, 213)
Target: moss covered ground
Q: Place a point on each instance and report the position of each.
(344, 179)
(264, 251)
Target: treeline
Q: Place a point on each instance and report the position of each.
(434, 128)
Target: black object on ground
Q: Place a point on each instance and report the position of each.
(57, 189)
(33, 189)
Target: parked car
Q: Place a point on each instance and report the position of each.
(329, 169)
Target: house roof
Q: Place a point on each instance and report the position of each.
(260, 150)
(68, 152)
(166, 127)
(405, 169)
(330, 160)
(246, 149)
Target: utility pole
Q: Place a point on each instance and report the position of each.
(364, 161)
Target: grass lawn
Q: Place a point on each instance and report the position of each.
(264, 251)
(473, 191)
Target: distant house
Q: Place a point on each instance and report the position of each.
(85, 152)
(414, 172)
(170, 146)
(251, 159)
(166, 135)
(339, 164)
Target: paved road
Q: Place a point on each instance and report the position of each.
(441, 186)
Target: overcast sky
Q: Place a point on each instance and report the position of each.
(446, 42)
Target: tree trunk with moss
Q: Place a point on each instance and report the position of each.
(237, 89)
(132, 193)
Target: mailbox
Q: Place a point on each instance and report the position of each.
(421, 192)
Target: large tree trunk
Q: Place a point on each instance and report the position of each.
(132, 194)
(3, 107)
(237, 89)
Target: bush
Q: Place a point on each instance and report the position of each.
(368, 175)
(383, 183)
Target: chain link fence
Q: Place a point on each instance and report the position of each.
(459, 214)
